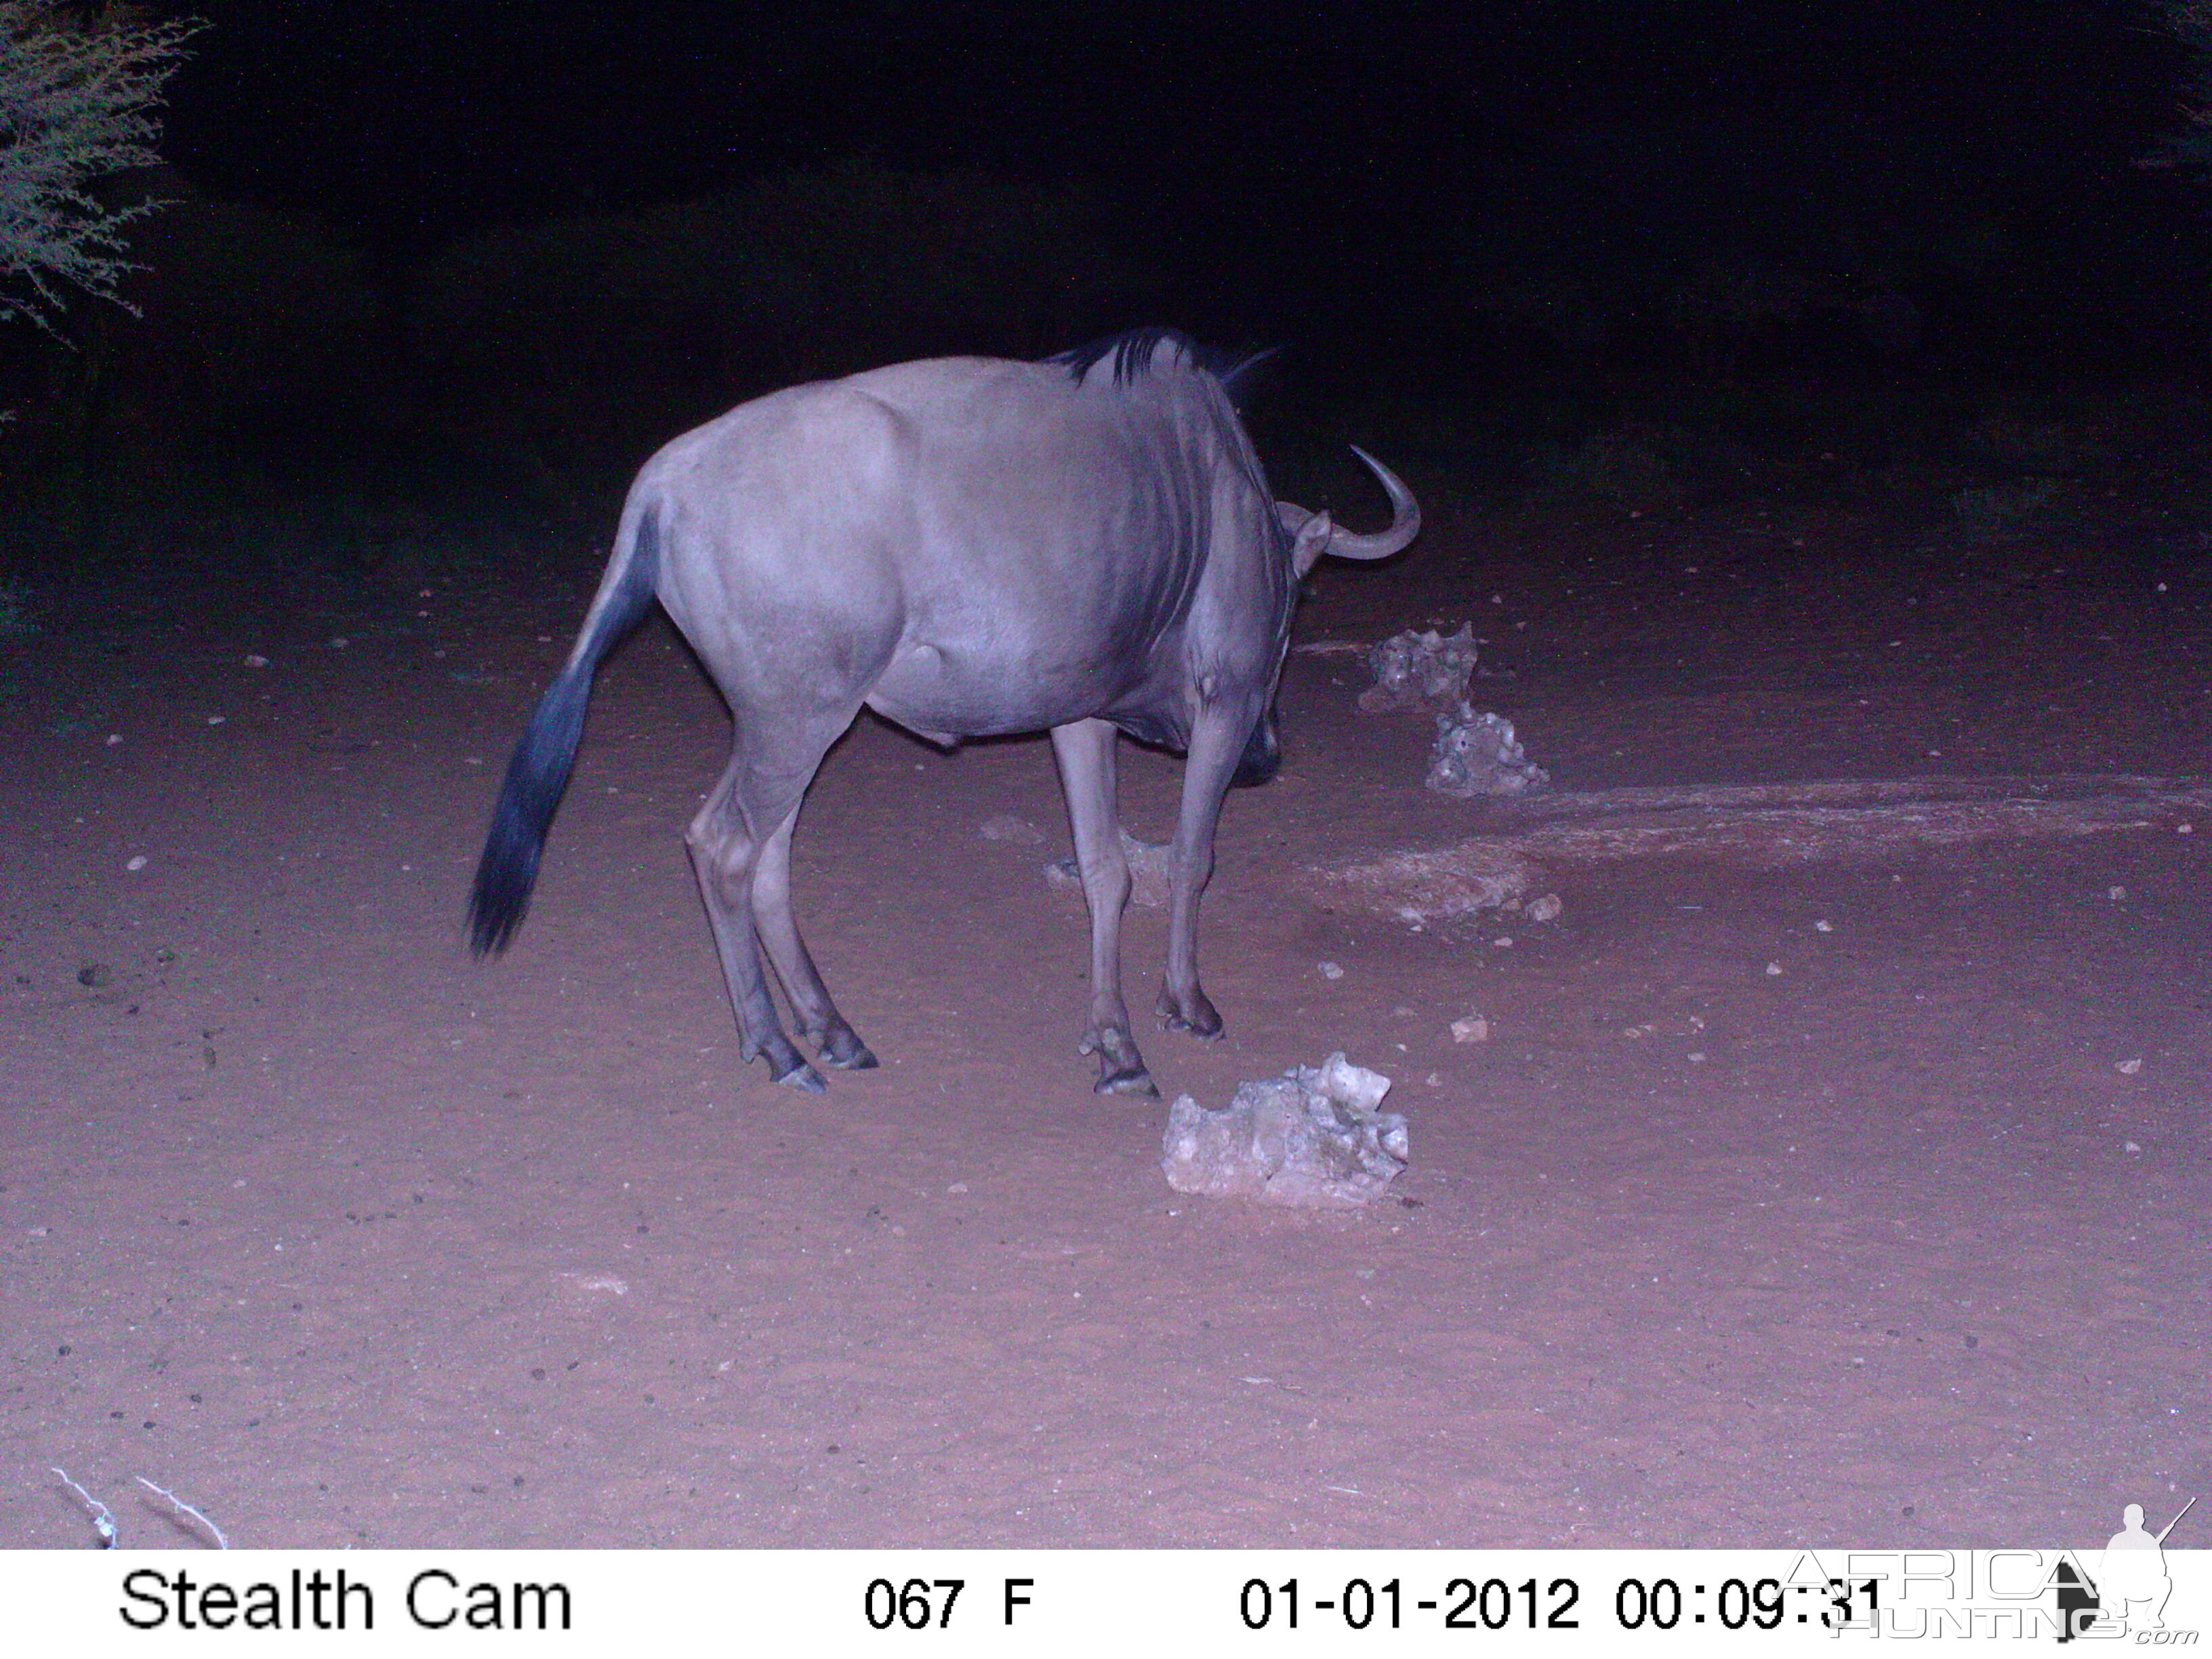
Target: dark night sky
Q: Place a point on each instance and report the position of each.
(403, 121)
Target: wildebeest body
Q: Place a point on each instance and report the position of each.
(971, 548)
(871, 565)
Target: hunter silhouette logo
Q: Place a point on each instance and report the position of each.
(2131, 1585)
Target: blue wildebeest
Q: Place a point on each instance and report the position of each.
(970, 548)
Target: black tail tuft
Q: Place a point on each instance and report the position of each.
(538, 776)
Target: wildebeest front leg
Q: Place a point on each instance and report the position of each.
(1084, 749)
(811, 1009)
(1216, 741)
(726, 840)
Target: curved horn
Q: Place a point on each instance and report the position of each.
(1405, 519)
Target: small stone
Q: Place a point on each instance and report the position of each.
(255, 659)
(1773, 970)
(1545, 908)
(1330, 970)
(1473, 1028)
(1824, 926)
(2117, 895)
(2130, 1147)
(2127, 1067)
(1007, 827)
(135, 862)
(338, 642)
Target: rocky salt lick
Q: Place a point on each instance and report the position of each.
(1314, 1137)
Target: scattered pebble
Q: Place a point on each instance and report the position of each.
(1698, 1057)
(1545, 908)
(2183, 829)
(338, 642)
(957, 1186)
(1330, 970)
(2130, 1147)
(1503, 942)
(1824, 926)
(1473, 1028)
(1007, 827)
(2127, 1067)
(136, 861)
(1773, 969)
(215, 719)
(2117, 895)
(115, 737)
(255, 659)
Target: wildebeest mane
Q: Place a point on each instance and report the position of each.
(1134, 351)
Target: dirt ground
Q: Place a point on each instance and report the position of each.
(1818, 1204)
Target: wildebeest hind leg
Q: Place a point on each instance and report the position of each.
(759, 791)
(1217, 740)
(811, 1009)
(1084, 749)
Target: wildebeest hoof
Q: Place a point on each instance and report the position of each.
(805, 1078)
(1126, 1081)
(843, 1049)
(1120, 1067)
(1192, 1014)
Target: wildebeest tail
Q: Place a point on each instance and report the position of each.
(537, 775)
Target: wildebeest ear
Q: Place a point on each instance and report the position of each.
(1309, 541)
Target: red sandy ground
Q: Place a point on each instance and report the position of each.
(350, 1240)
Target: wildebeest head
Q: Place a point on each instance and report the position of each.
(1311, 535)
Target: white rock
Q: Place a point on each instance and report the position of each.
(1473, 1028)
(1477, 754)
(1313, 1138)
